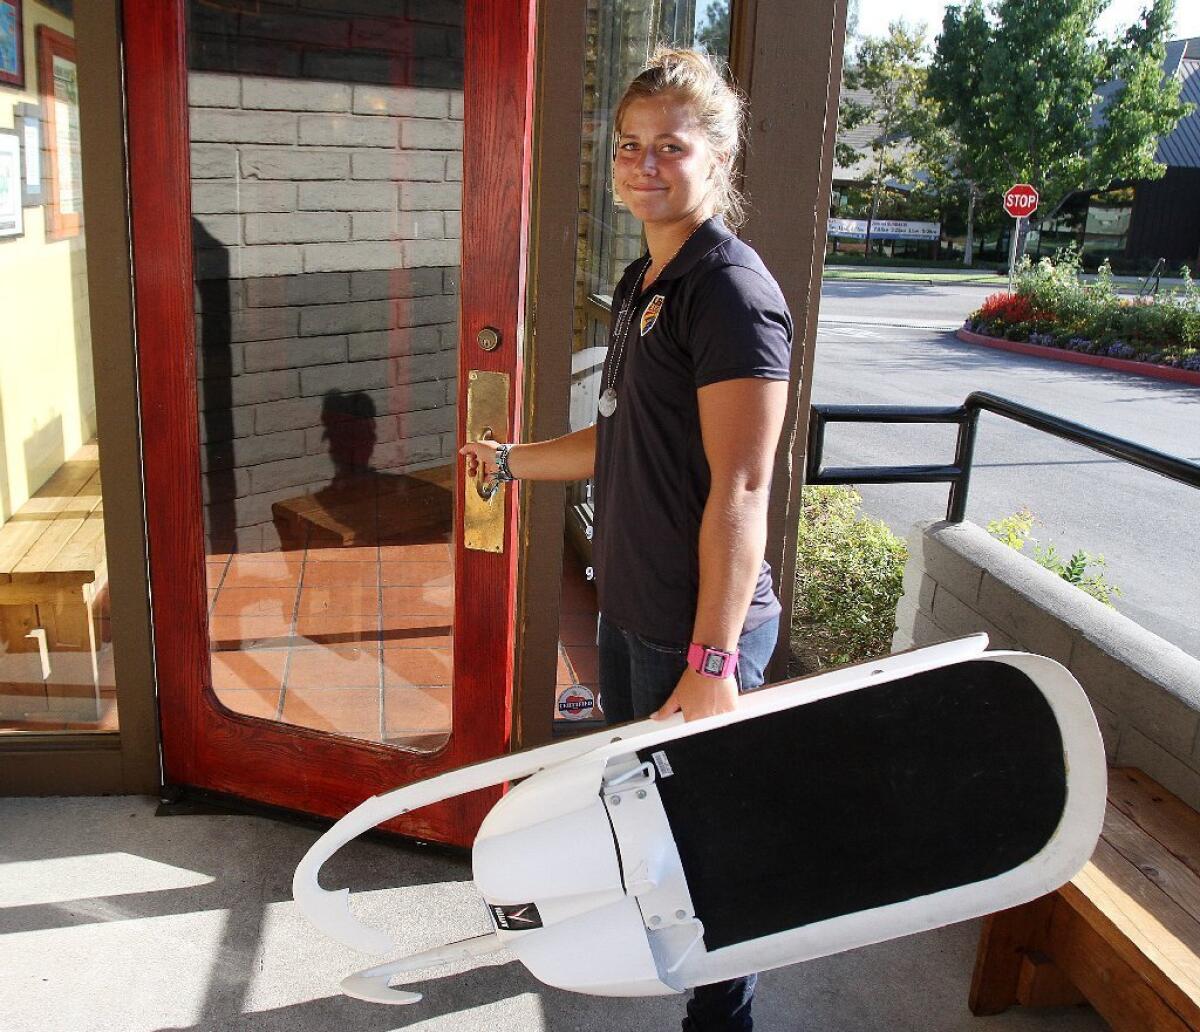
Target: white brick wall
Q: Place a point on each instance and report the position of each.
(361, 168)
(289, 94)
(326, 223)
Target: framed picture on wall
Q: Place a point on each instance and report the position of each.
(27, 120)
(12, 45)
(58, 84)
(11, 222)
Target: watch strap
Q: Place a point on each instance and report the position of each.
(711, 662)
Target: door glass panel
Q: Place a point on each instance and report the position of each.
(56, 663)
(621, 35)
(326, 146)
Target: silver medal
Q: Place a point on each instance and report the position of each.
(608, 402)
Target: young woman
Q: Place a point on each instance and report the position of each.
(691, 406)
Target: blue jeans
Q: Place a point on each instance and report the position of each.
(637, 675)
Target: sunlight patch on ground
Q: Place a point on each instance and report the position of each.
(89, 876)
(135, 975)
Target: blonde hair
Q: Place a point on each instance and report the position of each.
(696, 79)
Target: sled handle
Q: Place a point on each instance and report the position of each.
(372, 984)
(330, 910)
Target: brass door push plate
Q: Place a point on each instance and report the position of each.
(487, 417)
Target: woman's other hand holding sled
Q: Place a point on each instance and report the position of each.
(698, 695)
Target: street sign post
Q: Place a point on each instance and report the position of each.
(1020, 201)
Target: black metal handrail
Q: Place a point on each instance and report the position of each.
(1156, 275)
(966, 416)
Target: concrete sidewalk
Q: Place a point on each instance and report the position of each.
(113, 918)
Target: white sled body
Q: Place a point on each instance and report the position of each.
(821, 815)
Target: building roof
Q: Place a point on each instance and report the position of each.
(1180, 148)
(861, 138)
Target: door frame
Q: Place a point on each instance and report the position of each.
(205, 745)
(125, 760)
(779, 152)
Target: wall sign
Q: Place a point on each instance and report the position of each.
(884, 229)
(11, 222)
(12, 45)
(27, 120)
(576, 702)
(58, 83)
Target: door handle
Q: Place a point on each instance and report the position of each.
(487, 419)
(485, 486)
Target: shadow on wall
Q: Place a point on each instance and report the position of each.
(85, 378)
(214, 358)
(362, 505)
(327, 185)
(330, 438)
(45, 451)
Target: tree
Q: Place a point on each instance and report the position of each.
(851, 26)
(1033, 94)
(939, 191)
(890, 70)
(954, 90)
(712, 33)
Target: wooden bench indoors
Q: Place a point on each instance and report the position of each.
(1124, 934)
(52, 578)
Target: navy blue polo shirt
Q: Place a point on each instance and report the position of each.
(715, 313)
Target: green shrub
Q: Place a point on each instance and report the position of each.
(1014, 531)
(849, 570)
(1053, 306)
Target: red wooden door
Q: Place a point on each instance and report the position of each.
(329, 204)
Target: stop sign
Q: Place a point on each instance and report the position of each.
(1021, 200)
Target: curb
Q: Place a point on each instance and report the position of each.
(912, 281)
(1119, 365)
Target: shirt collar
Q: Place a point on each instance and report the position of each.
(709, 235)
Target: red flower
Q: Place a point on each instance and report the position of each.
(1010, 308)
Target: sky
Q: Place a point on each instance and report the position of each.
(874, 15)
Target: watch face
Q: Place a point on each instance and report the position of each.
(714, 663)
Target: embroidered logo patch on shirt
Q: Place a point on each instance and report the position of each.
(650, 315)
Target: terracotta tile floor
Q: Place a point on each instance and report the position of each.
(315, 638)
(336, 639)
(357, 640)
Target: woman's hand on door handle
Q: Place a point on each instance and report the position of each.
(480, 453)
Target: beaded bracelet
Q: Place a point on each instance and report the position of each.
(503, 473)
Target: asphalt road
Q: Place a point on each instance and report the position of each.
(890, 344)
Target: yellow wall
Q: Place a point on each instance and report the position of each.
(47, 398)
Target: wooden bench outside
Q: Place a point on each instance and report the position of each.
(52, 578)
(1124, 934)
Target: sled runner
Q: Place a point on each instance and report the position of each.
(823, 814)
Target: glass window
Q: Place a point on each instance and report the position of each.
(326, 147)
(621, 35)
(56, 671)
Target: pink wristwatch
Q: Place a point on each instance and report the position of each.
(710, 662)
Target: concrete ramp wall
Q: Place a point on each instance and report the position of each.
(1145, 691)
